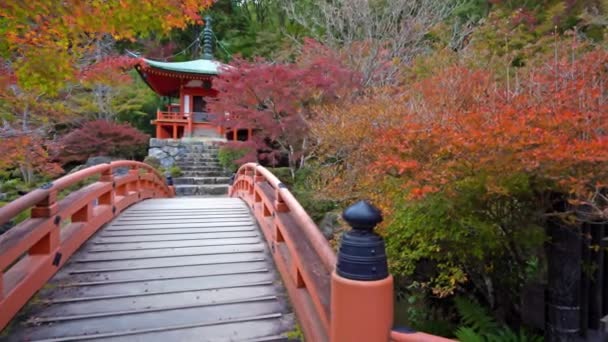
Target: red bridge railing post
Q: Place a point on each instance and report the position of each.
(47, 207)
(279, 205)
(361, 287)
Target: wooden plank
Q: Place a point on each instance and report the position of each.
(154, 275)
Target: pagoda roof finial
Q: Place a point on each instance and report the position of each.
(208, 39)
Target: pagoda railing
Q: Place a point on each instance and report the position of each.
(171, 116)
(184, 117)
(33, 251)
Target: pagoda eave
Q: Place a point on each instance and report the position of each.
(167, 83)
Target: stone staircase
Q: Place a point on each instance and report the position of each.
(202, 175)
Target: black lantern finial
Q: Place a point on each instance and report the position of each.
(362, 255)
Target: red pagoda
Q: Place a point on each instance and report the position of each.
(192, 83)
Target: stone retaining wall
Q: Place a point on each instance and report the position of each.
(168, 151)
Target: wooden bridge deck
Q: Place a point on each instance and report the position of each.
(180, 269)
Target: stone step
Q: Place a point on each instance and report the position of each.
(201, 190)
(194, 164)
(205, 174)
(201, 180)
(202, 156)
(199, 151)
(181, 163)
(201, 147)
(196, 161)
(206, 151)
(201, 167)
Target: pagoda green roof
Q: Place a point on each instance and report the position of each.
(199, 66)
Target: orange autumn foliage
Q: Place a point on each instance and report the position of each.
(461, 122)
(463, 164)
(28, 154)
(553, 126)
(46, 39)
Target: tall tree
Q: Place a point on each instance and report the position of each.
(375, 36)
(45, 39)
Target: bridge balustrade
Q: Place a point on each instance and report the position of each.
(33, 251)
(329, 306)
(302, 254)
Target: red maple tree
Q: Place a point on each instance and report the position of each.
(275, 99)
(101, 138)
(552, 126)
(27, 153)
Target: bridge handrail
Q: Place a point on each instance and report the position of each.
(330, 307)
(310, 228)
(14, 208)
(32, 251)
(297, 246)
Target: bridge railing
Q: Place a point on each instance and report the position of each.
(301, 253)
(343, 299)
(33, 251)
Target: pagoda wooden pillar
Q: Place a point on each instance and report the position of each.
(188, 132)
(249, 134)
(174, 131)
(159, 131)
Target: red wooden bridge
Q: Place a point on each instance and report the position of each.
(122, 259)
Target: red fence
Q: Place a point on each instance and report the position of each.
(33, 251)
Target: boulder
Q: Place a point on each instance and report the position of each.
(121, 171)
(167, 162)
(172, 151)
(157, 142)
(157, 153)
(330, 224)
(92, 161)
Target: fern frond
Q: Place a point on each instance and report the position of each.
(475, 317)
(468, 335)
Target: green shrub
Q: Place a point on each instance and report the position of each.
(413, 309)
(22, 216)
(282, 173)
(152, 161)
(175, 171)
(12, 186)
(77, 186)
(471, 236)
(303, 189)
(232, 156)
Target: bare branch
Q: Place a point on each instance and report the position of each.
(375, 36)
